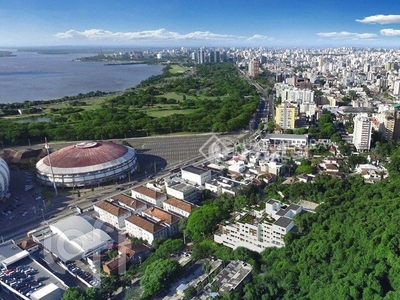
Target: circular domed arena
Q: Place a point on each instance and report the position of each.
(87, 164)
(4, 178)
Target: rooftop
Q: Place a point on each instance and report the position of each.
(194, 170)
(183, 205)
(111, 208)
(232, 275)
(129, 201)
(283, 222)
(145, 224)
(148, 192)
(10, 253)
(161, 215)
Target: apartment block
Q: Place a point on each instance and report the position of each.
(167, 219)
(129, 203)
(179, 207)
(362, 132)
(144, 228)
(112, 214)
(259, 229)
(286, 116)
(148, 196)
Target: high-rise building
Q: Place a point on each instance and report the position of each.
(362, 132)
(201, 56)
(285, 116)
(254, 68)
(396, 88)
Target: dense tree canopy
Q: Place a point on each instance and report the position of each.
(158, 275)
(348, 249)
(220, 101)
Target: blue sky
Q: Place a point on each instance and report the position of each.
(193, 23)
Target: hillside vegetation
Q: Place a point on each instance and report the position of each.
(348, 249)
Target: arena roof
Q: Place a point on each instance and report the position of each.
(85, 154)
(86, 158)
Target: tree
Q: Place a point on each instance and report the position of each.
(108, 285)
(189, 293)
(158, 275)
(354, 160)
(203, 221)
(73, 293)
(305, 167)
(271, 126)
(93, 293)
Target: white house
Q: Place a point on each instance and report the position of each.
(196, 175)
(148, 195)
(112, 214)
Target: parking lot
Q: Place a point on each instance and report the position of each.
(27, 276)
(25, 200)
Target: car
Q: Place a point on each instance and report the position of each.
(43, 278)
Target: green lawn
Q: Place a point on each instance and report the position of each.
(167, 112)
(177, 69)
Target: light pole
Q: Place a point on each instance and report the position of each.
(44, 220)
(51, 168)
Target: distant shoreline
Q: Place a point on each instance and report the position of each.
(126, 63)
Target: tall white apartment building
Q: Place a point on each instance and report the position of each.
(298, 96)
(362, 132)
(257, 230)
(396, 87)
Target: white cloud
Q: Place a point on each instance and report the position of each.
(259, 37)
(159, 34)
(347, 35)
(390, 32)
(381, 19)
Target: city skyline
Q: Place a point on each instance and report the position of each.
(268, 23)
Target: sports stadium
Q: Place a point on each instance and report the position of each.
(87, 164)
(4, 178)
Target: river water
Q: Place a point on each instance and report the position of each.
(32, 76)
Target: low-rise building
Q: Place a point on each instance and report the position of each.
(136, 253)
(180, 207)
(129, 203)
(144, 228)
(231, 278)
(111, 213)
(149, 196)
(116, 266)
(223, 185)
(196, 175)
(167, 219)
(181, 191)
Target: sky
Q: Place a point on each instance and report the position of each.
(197, 23)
